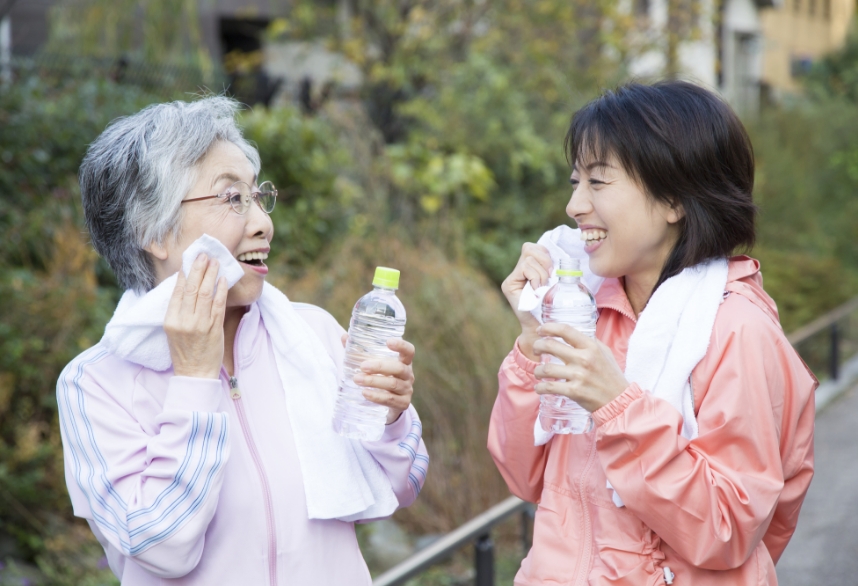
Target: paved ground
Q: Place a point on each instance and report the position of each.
(824, 549)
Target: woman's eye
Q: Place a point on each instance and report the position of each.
(574, 182)
(596, 182)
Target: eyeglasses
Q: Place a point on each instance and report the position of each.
(239, 197)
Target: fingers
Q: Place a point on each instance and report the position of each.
(398, 403)
(555, 388)
(385, 370)
(391, 384)
(539, 253)
(405, 349)
(178, 293)
(564, 352)
(533, 265)
(567, 333)
(219, 302)
(206, 294)
(533, 271)
(193, 283)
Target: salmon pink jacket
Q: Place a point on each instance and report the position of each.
(186, 482)
(715, 510)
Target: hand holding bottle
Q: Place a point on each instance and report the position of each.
(390, 380)
(589, 375)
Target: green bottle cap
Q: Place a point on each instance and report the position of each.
(569, 273)
(385, 277)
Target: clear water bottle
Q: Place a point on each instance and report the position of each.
(377, 317)
(567, 302)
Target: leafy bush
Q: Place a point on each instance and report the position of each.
(56, 293)
(302, 157)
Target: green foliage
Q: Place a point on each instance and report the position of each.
(56, 295)
(806, 183)
(301, 156)
(157, 31)
(836, 74)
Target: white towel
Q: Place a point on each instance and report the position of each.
(671, 335)
(562, 243)
(341, 478)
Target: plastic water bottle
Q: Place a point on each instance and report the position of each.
(567, 302)
(377, 317)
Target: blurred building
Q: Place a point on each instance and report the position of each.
(725, 47)
(797, 33)
(233, 32)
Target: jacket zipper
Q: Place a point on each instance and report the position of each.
(587, 551)
(235, 395)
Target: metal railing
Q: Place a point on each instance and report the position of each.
(824, 344)
(476, 531)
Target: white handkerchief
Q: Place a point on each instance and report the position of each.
(562, 242)
(229, 266)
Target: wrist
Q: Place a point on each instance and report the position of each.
(525, 344)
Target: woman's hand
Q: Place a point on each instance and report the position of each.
(194, 322)
(592, 376)
(391, 380)
(534, 265)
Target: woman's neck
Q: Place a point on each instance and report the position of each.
(231, 319)
(639, 289)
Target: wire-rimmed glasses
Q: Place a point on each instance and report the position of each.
(239, 196)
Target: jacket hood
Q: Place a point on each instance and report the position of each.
(744, 277)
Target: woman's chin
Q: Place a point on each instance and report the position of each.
(243, 294)
(602, 270)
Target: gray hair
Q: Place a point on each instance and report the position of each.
(136, 173)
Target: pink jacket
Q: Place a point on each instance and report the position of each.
(715, 510)
(183, 484)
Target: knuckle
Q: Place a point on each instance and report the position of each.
(190, 288)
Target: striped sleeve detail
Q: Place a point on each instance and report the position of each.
(414, 447)
(161, 510)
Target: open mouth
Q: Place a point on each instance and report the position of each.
(592, 236)
(255, 259)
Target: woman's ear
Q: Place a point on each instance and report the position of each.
(675, 212)
(157, 250)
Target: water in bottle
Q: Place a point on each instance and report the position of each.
(377, 317)
(567, 302)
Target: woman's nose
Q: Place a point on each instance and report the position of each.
(258, 223)
(579, 204)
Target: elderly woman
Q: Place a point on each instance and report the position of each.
(197, 433)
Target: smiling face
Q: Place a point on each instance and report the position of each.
(247, 235)
(627, 233)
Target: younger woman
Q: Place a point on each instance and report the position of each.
(656, 493)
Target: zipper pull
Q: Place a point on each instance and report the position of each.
(668, 575)
(234, 393)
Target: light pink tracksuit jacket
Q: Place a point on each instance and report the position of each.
(715, 510)
(183, 484)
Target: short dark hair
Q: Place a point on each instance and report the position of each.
(684, 146)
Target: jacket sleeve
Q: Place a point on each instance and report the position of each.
(511, 428)
(712, 499)
(402, 455)
(151, 495)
